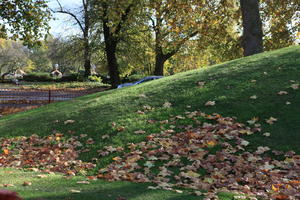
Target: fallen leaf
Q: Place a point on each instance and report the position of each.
(167, 105)
(70, 121)
(75, 191)
(105, 136)
(210, 103)
(5, 151)
(295, 86)
(8, 185)
(83, 182)
(26, 183)
(267, 134)
(42, 176)
(271, 120)
(282, 93)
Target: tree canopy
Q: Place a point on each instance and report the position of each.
(26, 20)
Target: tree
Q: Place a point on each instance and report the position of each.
(13, 56)
(281, 22)
(114, 18)
(25, 20)
(252, 40)
(85, 24)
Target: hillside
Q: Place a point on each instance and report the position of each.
(230, 85)
(261, 91)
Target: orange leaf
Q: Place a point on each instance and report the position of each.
(281, 196)
(5, 151)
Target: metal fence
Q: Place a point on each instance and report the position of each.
(29, 97)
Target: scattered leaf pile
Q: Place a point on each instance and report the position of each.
(209, 158)
(53, 153)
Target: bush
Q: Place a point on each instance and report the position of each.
(95, 79)
(38, 77)
(69, 77)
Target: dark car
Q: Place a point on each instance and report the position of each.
(145, 79)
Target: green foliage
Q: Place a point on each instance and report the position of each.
(95, 78)
(25, 20)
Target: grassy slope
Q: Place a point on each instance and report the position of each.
(229, 84)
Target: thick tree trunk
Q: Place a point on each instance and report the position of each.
(113, 66)
(110, 49)
(159, 64)
(252, 25)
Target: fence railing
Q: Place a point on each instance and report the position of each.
(25, 97)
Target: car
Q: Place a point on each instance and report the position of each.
(143, 80)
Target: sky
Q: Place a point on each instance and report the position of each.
(62, 25)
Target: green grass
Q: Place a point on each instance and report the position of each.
(56, 187)
(228, 84)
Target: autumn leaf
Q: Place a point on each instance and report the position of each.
(27, 183)
(83, 182)
(253, 120)
(267, 134)
(210, 103)
(70, 121)
(295, 86)
(271, 120)
(75, 191)
(167, 104)
(5, 151)
(282, 93)
(42, 176)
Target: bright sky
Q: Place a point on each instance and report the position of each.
(62, 25)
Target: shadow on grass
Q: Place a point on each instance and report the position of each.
(129, 191)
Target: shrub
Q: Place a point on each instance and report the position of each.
(69, 77)
(38, 77)
(95, 78)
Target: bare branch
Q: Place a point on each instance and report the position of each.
(61, 10)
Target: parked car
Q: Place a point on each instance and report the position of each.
(143, 80)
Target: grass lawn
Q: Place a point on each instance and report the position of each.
(230, 85)
(56, 187)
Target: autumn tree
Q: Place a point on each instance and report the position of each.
(13, 56)
(26, 20)
(115, 18)
(281, 22)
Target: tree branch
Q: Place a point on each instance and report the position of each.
(124, 18)
(68, 13)
(174, 51)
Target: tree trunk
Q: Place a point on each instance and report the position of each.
(110, 49)
(159, 64)
(113, 65)
(87, 59)
(252, 34)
